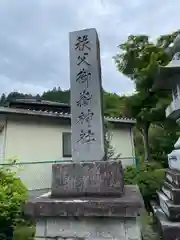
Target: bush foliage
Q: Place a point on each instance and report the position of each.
(12, 196)
(24, 232)
(149, 178)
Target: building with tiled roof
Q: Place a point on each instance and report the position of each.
(38, 133)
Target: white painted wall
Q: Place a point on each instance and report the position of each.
(122, 141)
(33, 140)
(38, 140)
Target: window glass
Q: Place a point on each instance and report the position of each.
(66, 144)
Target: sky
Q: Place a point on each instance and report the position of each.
(34, 38)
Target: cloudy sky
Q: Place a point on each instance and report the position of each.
(34, 37)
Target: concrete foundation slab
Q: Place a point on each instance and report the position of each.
(88, 229)
(129, 205)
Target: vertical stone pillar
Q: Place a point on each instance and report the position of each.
(87, 119)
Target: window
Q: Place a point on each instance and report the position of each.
(66, 144)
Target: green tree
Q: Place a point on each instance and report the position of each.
(57, 95)
(113, 104)
(146, 108)
(162, 139)
(3, 99)
(139, 59)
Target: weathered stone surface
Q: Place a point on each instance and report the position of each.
(174, 160)
(104, 178)
(173, 177)
(171, 192)
(89, 228)
(177, 144)
(171, 210)
(169, 230)
(165, 189)
(86, 97)
(129, 205)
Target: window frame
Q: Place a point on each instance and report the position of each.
(64, 134)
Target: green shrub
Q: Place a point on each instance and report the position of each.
(12, 196)
(148, 177)
(24, 232)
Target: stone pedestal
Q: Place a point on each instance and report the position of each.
(167, 212)
(88, 201)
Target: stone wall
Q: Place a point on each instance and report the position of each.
(87, 229)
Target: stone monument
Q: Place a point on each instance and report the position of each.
(86, 93)
(88, 199)
(167, 212)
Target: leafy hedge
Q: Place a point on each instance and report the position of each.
(12, 196)
(149, 178)
(24, 232)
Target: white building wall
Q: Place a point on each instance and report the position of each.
(37, 143)
(2, 140)
(33, 141)
(123, 143)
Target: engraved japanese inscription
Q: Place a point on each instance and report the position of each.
(86, 90)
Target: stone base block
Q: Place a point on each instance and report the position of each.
(87, 229)
(169, 230)
(98, 178)
(173, 177)
(171, 210)
(130, 205)
(171, 192)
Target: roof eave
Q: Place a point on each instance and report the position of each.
(5, 110)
